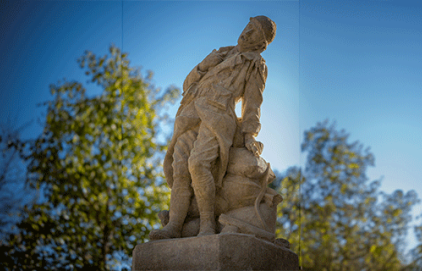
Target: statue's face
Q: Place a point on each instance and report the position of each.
(249, 38)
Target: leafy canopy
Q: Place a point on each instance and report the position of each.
(97, 164)
(333, 216)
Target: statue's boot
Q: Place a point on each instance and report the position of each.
(205, 197)
(179, 205)
(207, 224)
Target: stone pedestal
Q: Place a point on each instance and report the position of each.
(229, 251)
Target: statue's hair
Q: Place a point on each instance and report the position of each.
(268, 26)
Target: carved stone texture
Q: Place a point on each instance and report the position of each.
(244, 199)
(219, 183)
(229, 251)
(213, 166)
(207, 134)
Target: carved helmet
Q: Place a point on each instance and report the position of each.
(267, 26)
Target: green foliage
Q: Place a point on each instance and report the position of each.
(97, 165)
(333, 216)
(12, 175)
(416, 253)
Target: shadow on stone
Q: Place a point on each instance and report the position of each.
(226, 251)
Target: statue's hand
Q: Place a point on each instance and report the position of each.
(212, 60)
(252, 145)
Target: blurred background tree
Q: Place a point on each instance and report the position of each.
(416, 253)
(97, 165)
(333, 215)
(12, 175)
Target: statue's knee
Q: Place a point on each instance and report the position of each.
(197, 167)
(181, 181)
(193, 166)
(181, 170)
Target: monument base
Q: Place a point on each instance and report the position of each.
(228, 251)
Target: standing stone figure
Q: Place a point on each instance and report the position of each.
(206, 124)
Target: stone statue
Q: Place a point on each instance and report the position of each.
(218, 180)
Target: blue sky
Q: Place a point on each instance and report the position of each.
(356, 62)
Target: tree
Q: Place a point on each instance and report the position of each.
(333, 216)
(97, 164)
(416, 253)
(12, 175)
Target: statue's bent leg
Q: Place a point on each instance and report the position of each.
(181, 192)
(203, 156)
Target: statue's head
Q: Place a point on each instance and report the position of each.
(256, 36)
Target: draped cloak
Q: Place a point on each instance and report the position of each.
(209, 99)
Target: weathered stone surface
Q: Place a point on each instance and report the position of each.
(229, 251)
(212, 163)
(220, 200)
